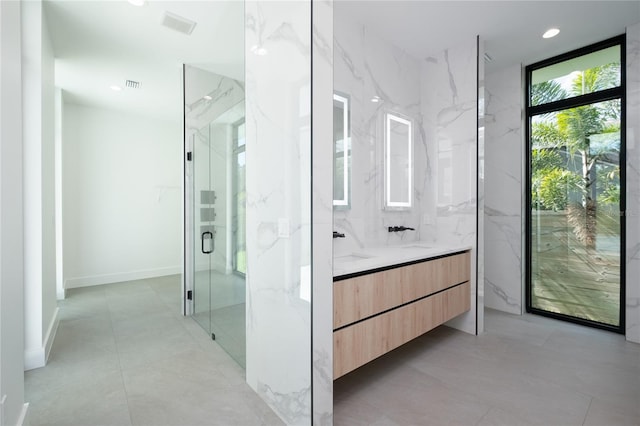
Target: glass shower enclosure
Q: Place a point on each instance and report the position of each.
(215, 250)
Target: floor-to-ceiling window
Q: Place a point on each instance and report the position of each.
(575, 209)
(239, 199)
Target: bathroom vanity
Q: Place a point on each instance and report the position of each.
(386, 297)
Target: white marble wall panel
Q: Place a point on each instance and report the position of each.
(480, 258)
(503, 198)
(322, 289)
(633, 185)
(450, 119)
(278, 113)
(367, 66)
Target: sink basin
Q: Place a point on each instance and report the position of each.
(353, 257)
(418, 246)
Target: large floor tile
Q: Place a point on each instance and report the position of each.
(522, 371)
(604, 413)
(125, 355)
(98, 400)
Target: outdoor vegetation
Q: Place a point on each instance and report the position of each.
(575, 196)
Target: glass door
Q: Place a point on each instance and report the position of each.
(214, 111)
(576, 181)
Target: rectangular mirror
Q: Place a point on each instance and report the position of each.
(341, 152)
(398, 151)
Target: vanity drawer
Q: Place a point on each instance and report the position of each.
(361, 297)
(360, 343)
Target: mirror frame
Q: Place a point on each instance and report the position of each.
(389, 203)
(344, 203)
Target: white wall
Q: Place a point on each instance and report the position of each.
(12, 407)
(322, 181)
(449, 96)
(278, 118)
(121, 196)
(504, 263)
(633, 185)
(38, 168)
(439, 94)
(365, 66)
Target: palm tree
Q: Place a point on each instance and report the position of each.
(574, 130)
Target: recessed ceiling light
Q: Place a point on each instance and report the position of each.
(551, 32)
(375, 99)
(137, 2)
(115, 88)
(207, 97)
(259, 50)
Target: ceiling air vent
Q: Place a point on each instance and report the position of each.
(178, 23)
(132, 84)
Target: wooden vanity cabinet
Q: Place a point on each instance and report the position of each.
(376, 312)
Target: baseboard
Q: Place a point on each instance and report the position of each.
(34, 359)
(23, 420)
(51, 334)
(37, 358)
(120, 277)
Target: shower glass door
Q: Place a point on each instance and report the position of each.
(214, 117)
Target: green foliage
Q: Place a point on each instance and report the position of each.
(546, 134)
(595, 79)
(611, 194)
(555, 185)
(611, 179)
(581, 131)
(544, 159)
(547, 91)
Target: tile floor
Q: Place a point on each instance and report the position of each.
(525, 370)
(124, 355)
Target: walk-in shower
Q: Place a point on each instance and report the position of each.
(215, 249)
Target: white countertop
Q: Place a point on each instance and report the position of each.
(379, 257)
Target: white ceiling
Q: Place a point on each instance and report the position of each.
(100, 43)
(512, 30)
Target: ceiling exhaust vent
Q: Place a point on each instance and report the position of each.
(178, 23)
(132, 84)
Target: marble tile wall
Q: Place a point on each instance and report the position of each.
(322, 289)
(440, 95)
(633, 185)
(503, 199)
(278, 133)
(480, 232)
(365, 66)
(449, 94)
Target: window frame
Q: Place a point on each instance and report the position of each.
(573, 102)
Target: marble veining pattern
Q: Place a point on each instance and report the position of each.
(278, 177)
(322, 288)
(449, 94)
(440, 95)
(480, 258)
(503, 200)
(633, 185)
(365, 66)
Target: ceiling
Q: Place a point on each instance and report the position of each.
(101, 43)
(512, 30)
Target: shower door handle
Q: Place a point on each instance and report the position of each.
(210, 237)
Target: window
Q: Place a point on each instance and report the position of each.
(575, 202)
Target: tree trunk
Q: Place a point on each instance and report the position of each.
(583, 217)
